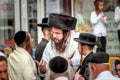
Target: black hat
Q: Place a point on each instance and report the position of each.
(63, 22)
(20, 37)
(44, 23)
(86, 38)
(99, 57)
(58, 64)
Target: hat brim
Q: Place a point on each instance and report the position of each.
(43, 25)
(84, 42)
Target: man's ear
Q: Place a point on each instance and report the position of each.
(93, 67)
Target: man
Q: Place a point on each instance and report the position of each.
(59, 69)
(117, 67)
(62, 43)
(21, 65)
(99, 67)
(117, 18)
(3, 68)
(47, 36)
(85, 46)
(99, 20)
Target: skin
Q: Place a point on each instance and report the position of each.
(118, 70)
(83, 49)
(47, 33)
(98, 68)
(100, 8)
(57, 35)
(3, 70)
(79, 47)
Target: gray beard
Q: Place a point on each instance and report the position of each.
(91, 76)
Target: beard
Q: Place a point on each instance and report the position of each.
(91, 76)
(60, 45)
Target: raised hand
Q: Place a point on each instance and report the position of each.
(41, 65)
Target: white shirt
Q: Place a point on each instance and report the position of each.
(98, 24)
(117, 16)
(70, 50)
(106, 75)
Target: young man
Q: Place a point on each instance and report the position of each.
(62, 43)
(21, 65)
(3, 68)
(86, 44)
(99, 20)
(99, 67)
(117, 18)
(47, 36)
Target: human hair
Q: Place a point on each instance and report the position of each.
(44, 30)
(27, 44)
(118, 2)
(117, 62)
(2, 58)
(91, 75)
(61, 47)
(96, 3)
(90, 46)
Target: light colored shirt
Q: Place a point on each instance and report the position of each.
(71, 50)
(21, 66)
(117, 16)
(98, 24)
(106, 75)
(2, 54)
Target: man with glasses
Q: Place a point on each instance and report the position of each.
(62, 43)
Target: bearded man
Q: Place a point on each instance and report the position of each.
(62, 42)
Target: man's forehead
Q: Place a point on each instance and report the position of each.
(56, 29)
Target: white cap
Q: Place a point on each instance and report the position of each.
(61, 78)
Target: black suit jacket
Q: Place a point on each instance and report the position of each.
(40, 48)
(84, 70)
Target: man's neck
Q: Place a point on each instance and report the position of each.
(88, 52)
(47, 38)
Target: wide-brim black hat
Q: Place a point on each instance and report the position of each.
(61, 21)
(87, 38)
(58, 64)
(99, 57)
(44, 23)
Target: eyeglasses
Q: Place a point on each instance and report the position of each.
(56, 33)
(117, 70)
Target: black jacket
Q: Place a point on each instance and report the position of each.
(40, 49)
(84, 69)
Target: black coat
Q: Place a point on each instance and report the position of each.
(84, 69)
(40, 48)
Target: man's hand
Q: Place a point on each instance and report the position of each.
(42, 66)
(69, 61)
